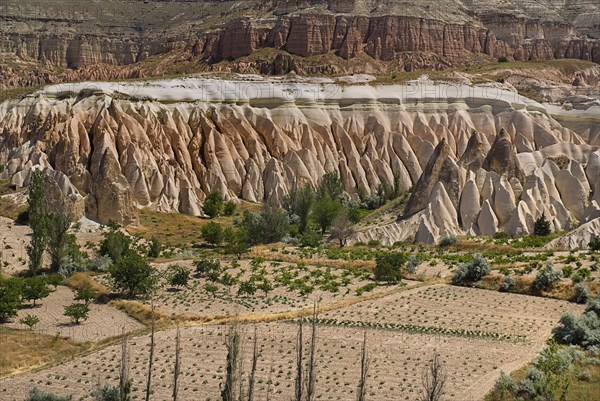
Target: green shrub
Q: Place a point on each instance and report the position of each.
(115, 243)
(388, 267)
(229, 208)
(77, 312)
(546, 278)
(581, 293)
(508, 282)
(179, 276)
(10, 297)
(107, 393)
(213, 205)
(154, 248)
(39, 395)
(208, 268)
(541, 227)
(30, 321)
(212, 233)
(472, 271)
(448, 240)
(503, 59)
(373, 243)
(595, 244)
(35, 288)
(311, 239)
(583, 330)
(87, 294)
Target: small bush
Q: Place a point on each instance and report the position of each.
(77, 312)
(311, 239)
(508, 282)
(472, 271)
(374, 243)
(212, 233)
(388, 267)
(213, 205)
(503, 59)
(39, 395)
(448, 240)
(30, 321)
(229, 208)
(595, 244)
(546, 278)
(107, 393)
(581, 293)
(154, 248)
(206, 267)
(541, 228)
(179, 276)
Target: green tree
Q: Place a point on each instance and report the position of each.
(204, 267)
(541, 227)
(87, 294)
(38, 221)
(179, 276)
(54, 280)
(30, 321)
(212, 233)
(10, 297)
(331, 186)
(247, 287)
(132, 275)
(77, 312)
(237, 241)
(115, 243)
(274, 223)
(299, 202)
(35, 288)
(213, 204)
(60, 243)
(211, 289)
(325, 211)
(154, 248)
(388, 267)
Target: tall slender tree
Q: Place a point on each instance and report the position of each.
(311, 369)
(124, 382)
(299, 363)
(151, 352)
(252, 377)
(38, 221)
(364, 371)
(177, 369)
(433, 380)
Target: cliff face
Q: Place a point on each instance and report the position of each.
(211, 31)
(164, 145)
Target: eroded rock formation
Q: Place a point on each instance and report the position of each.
(164, 145)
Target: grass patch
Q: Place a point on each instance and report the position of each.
(82, 279)
(24, 350)
(178, 229)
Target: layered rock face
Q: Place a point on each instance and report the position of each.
(112, 34)
(480, 160)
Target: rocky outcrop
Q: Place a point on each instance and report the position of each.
(102, 42)
(164, 145)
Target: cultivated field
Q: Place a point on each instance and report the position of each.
(397, 354)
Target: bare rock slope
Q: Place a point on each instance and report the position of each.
(480, 159)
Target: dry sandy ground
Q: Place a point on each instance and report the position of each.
(397, 358)
(13, 245)
(104, 321)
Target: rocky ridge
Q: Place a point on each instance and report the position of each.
(104, 41)
(480, 159)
